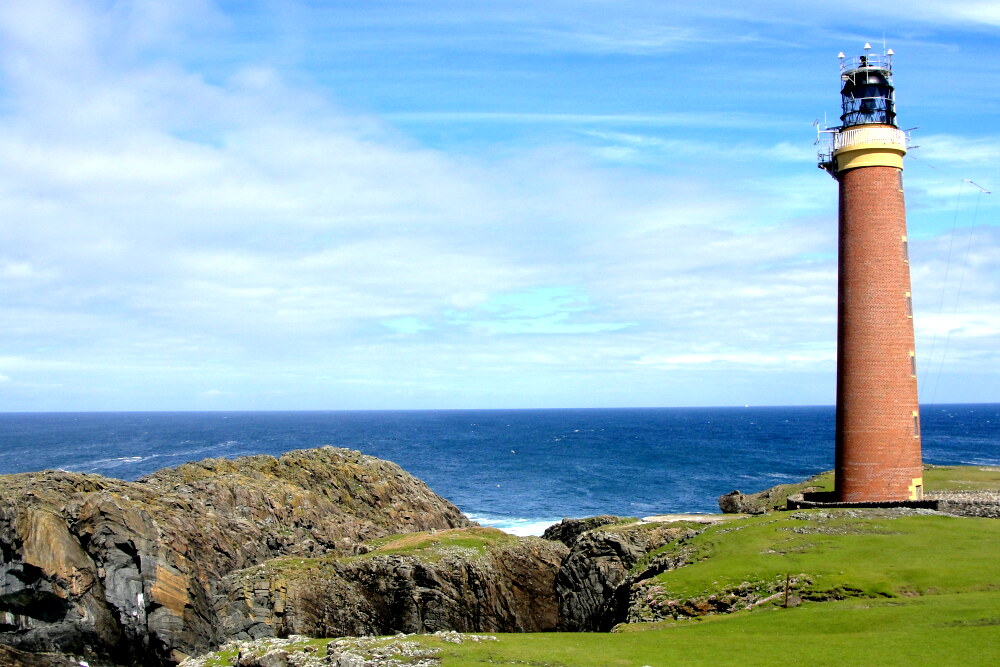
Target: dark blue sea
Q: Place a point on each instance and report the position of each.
(520, 470)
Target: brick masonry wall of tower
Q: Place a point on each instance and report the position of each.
(878, 446)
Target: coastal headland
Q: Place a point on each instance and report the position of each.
(254, 556)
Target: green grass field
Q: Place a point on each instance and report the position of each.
(961, 478)
(920, 589)
(869, 587)
(839, 553)
(954, 629)
(936, 478)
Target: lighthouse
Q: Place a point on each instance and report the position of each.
(878, 420)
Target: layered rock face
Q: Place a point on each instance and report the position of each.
(129, 572)
(595, 579)
(502, 584)
(324, 542)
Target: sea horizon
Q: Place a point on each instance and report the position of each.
(518, 469)
(466, 409)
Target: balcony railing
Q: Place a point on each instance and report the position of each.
(864, 135)
(873, 60)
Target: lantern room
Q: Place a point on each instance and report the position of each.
(867, 95)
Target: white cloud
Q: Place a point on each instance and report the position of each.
(628, 147)
(681, 119)
(976, 12)
(742, 358)
(959, 325)
(950, 149)
(176, 227)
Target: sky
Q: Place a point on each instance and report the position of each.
(414, 204)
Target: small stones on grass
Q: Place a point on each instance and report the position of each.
(298, 651)
(453, 637)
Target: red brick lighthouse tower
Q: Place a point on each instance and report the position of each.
(878, 423)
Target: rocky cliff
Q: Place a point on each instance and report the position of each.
(130, 572)
(470, 580)
(324, 542)
(595, 578)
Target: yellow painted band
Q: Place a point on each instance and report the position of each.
(869, 155)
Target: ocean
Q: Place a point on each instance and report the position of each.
(519, 470)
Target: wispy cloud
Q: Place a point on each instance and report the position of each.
(197, 196)
(734, 119)
(742, 359)
(549, 310)
(640, 148)
(951, 149)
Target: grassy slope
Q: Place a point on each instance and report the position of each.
(940, 629)
(432, 546)
(921, 589)
(870, 553)
(936, 478)
(927, 587)
(961, 478)
(428, 547)
(932, 630)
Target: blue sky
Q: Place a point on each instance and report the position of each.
(416, 204)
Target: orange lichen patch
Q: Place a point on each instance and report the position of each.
(170, 589)
(49, 546)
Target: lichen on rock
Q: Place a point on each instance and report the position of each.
(129, 572)
(503, 584)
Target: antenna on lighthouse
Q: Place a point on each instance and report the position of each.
(984, 190)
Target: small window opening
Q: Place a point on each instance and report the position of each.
(913, 364)
(916, 424)
(906, 250)
(909, 305)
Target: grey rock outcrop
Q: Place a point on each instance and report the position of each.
(762, 502)
(10, 657)
(127, 572)
(567, 530)
(509, 586)
(737, 502)
(595, 578)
